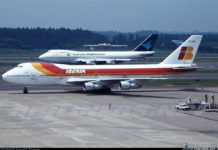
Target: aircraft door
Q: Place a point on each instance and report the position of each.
(96, 74)
(34, 77)
(68, 57)
(124, 74)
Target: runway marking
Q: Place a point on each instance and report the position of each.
(119, 127)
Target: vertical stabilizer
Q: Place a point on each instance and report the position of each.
(186, 52)
(147, 44)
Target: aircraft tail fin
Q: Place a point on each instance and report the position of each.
(186, 52)
(147, 44)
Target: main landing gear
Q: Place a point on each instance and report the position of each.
(105, 90)
(25, 90)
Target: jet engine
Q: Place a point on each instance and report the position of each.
(126, 85)
(90, 62)
(110, 61)
(91, 86)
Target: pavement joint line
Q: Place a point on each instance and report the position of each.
(198, 116)
(119, 127)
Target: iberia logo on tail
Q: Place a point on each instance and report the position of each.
(186, 53)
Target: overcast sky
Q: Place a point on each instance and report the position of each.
(117, 15)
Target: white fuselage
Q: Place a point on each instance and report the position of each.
(60, 74)
(67, 56)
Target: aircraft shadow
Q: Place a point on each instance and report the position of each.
(136, 95)
(130, 93)
(99, 93)
(171, 90)
(50, 92)
(120, 93)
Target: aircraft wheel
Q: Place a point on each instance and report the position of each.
(106, 90)
(25, 90)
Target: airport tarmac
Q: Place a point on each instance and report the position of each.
(143, 117)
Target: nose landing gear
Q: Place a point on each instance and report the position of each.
(25, 90)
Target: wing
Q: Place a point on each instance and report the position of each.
(187, 68)
(110, 82)
(117, 60)
(107, 61)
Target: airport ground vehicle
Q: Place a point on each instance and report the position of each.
(183, 106)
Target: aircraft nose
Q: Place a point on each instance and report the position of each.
(41, 57)
(4, 76)
(45, 57)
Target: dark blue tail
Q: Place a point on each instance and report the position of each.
(147, 44)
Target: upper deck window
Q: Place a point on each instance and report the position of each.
(20, 66)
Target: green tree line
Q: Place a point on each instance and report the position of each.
(164, 42)
(63, 38)
(41, 38)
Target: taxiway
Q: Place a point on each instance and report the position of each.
(138, 118)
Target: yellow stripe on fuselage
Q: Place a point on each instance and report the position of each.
(43, 70)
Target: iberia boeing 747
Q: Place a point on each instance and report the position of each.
(94, 77)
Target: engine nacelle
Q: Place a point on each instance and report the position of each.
(125, 85)
(90, 62)
(110, 61)
(89, 86)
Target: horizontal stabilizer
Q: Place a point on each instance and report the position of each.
(187, 68)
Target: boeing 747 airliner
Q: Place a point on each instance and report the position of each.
(143, 50)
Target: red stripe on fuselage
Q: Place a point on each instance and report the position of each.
(52, 68)
(128, 70)
(119, 71)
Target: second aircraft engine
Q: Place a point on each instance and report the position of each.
(110, 62)
(126, 85)
(90, 62)
(91, 86)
